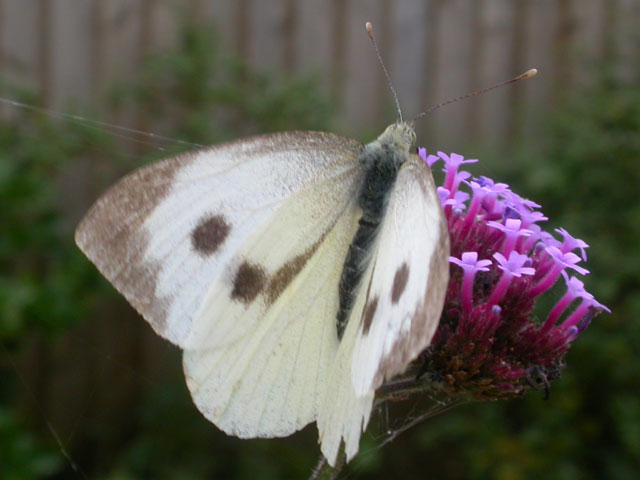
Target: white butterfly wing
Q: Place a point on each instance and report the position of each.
(165, 233)
(397, 308)
(410, 274)
(265, 333)
(269, 382)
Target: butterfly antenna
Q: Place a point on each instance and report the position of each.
(369, 28)
(524, 76)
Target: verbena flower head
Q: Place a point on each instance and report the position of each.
(489, 342)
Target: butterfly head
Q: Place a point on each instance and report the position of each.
(399, 136)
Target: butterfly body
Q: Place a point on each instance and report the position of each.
(380, 161)
(297, 271)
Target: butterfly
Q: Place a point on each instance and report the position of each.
(297, 271)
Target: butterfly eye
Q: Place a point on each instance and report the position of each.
(408, 135)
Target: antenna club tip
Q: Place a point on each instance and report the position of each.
(369, 28)
(529, 73)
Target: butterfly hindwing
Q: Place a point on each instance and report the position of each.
(269, 382)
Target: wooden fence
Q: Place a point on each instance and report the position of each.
(435, 49)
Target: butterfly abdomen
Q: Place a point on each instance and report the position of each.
(380, 162)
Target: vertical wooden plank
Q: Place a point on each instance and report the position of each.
(242, 32)
(627, 38)
(476, 62)
(144, 46)
(453, 73)
(633, 18)
(39, 363)
(2, 26)
(146, 18)
(3, 107)
(314, 38)
(588, 19)
(20, 42)
(432, 71)
(289, 29)
(120, 57)
(45, 38)
(220, 15)
(266, 22)
(362, 70)
(517, 62)
(610, 21)
(70, 51)
(97, 50)
(196, 10)
(407, 58)
(383, 97)
(168, 18)
(67, 396)
(537, 92)
(562, 58)
(495, 105)
(2, 46)
(340, 12)
(121, 33)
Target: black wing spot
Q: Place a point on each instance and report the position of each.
(285, 274)
(248, 282)
(399, 283)
(210, 234)
(367, 317)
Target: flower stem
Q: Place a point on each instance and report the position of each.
(501, 288)
(562, 304)
(324, 471)
(577, 315)
(467, 291)
(547, 281)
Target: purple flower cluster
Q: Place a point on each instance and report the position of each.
(489, 342)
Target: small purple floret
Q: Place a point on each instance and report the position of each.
(457, 202)
(566, 259)
(451, 164)
(429, 159)
(575, 289)
(561, 261)
(443, 194)
(529, 218)
(514, 266)
(470, 264)
(570, 243)
(512, 230)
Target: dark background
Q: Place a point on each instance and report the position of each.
(86, 389)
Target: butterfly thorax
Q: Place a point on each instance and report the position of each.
(380, 160)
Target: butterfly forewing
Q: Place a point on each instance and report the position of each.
(164, 234)
(408, 282)
(396, 311)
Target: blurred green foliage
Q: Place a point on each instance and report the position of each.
(40, 273)
(585, 174)
(45, 285)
